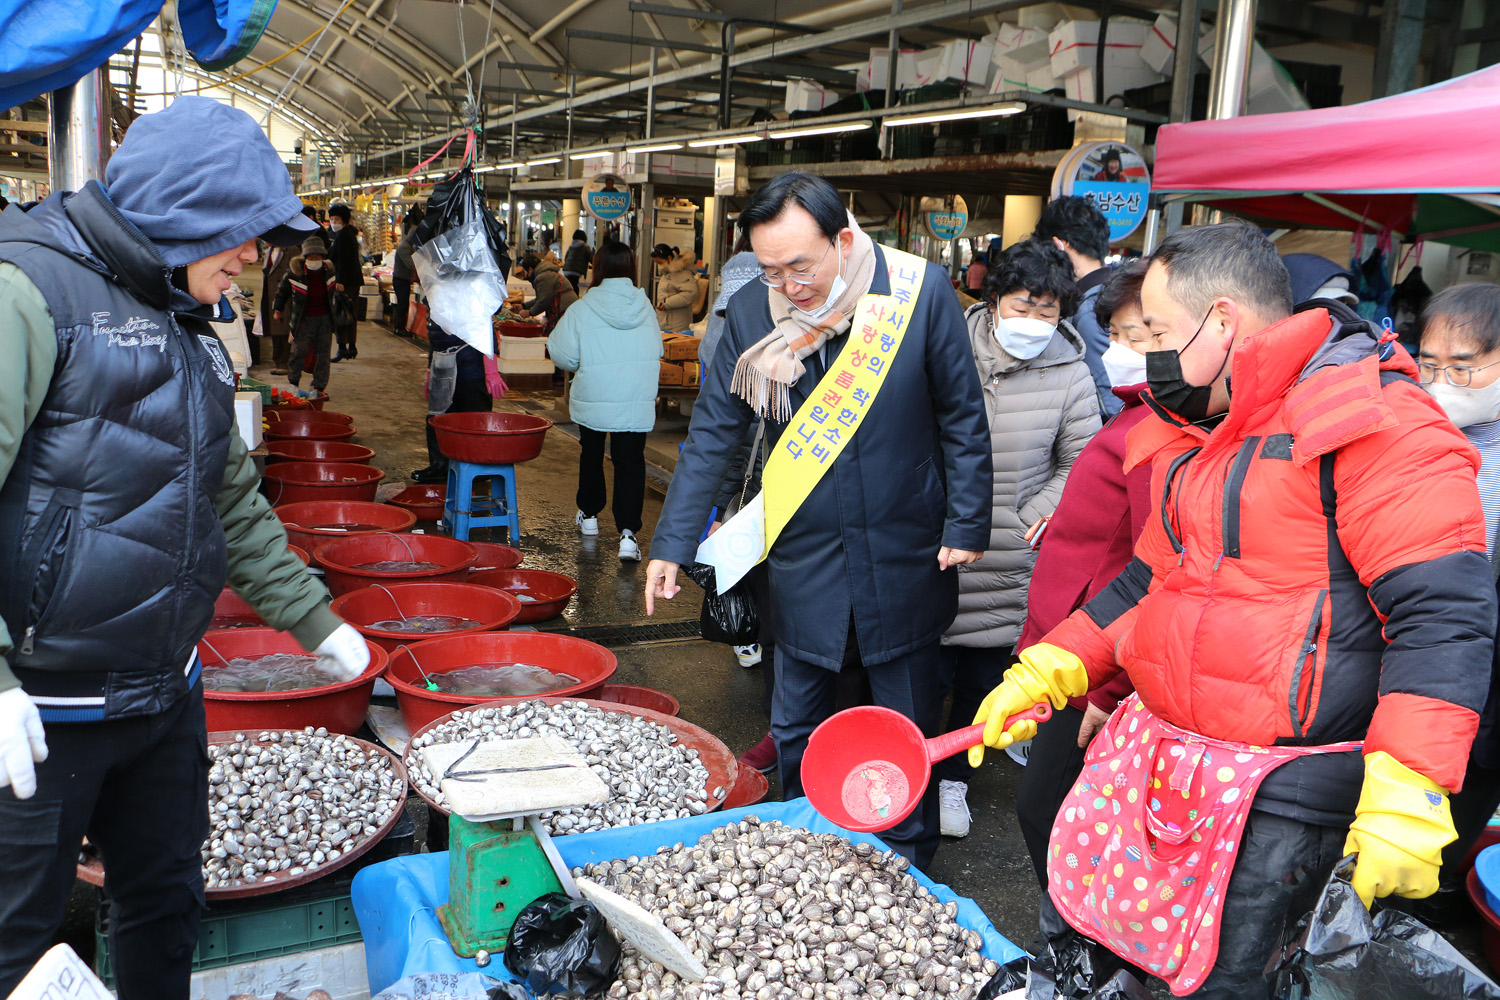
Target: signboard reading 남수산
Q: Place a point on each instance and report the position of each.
(1114, 177)
(606, 196)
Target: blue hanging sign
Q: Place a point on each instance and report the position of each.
(945, 218)
(1114, 177)
(606, 196)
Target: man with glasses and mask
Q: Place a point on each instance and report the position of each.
(877, 470)
(1308, 622)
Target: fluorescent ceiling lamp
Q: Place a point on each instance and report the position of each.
(988, 111)
(799, 133)
(544, 161)
(660, 147)
(588, 155)
(508, 166)
(727, 140)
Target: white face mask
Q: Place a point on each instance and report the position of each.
(837, 289)
(1023, 338)
(335, 226)
(314, 265)
(1124, 366)
(1467, 406)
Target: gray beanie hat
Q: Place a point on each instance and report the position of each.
(314, 244)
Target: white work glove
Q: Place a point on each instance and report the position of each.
(23, 744)
(347, 649)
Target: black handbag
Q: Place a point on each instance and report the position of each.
(731, 617)
(340, 309)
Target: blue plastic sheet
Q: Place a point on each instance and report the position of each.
(49, 44)
(396, 901)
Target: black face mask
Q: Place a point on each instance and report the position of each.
(1171, 390)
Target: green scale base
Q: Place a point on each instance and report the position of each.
(494, 871)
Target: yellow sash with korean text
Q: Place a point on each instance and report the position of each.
(835, 409)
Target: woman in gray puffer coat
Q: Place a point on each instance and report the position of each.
(1042, 408)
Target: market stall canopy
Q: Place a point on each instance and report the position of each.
(46, 45)
(1422, 163)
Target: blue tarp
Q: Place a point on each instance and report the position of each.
(396, 901)
(49, 44)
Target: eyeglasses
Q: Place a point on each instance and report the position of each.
(1458, 376)
(796, 277)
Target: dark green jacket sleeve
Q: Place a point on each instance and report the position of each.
(262, 570)
(28, 355)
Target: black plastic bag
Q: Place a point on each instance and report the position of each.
(457, 202)
(562, 945)
(1340, 952)
(461, 260)
(731, 618)
(340, 309)
(1071, 968)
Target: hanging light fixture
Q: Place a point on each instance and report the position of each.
(958, 114)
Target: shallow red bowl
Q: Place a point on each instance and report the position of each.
(493, 555)
(425, 501)
(341, 707)
(317, 430)
(640, 697)
(318, 451)
(493, 609)
(300, 482)
(282, 418)
(298, 518)
(340, 559)
(490, 438)
(549, 592)
(588, 661)
(749, 788)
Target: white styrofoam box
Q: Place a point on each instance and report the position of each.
(873, 76)
(1029, 45)
(60, 973)
(247, 418)
(1012, 76)
(808, 95)
(510, 367)
(1079, 85)
(929, 68)
(1160, 47)
(1045, 16)
(1075, 43)
(339, 971)
(1269, 89)
(969, 62)
(523, 348)
(1042, 79)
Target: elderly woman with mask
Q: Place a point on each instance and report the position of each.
(1042, 409)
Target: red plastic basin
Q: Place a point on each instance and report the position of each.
(424, 501)
(300, 482)
(493, 609)
(723, 769)
(317, 430)
(640, 697)
(749, 788)
(340, 559)
(231, 611)
(490, 438)
(281, 418)
(300, 553)
(493, 555)
(590, 662)
(341, 707)
(318, 451)
(299, 520)
(549, 592)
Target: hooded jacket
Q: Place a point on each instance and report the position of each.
(676, 291)
(610, 339)
(550, 283)
(1041, 413)
(1314, 566)
(291, 297)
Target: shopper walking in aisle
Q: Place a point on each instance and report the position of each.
(575, 265)
(1042, 410)
(978, 268)
(1308, 620)
(1087, 542)
(1079, 230)
(877, 484)
(1459, 365)
(348, 274)
(676, 289)
(126, 498)
(303, 299)
(611, 340)
(274, 330)
(403, 273)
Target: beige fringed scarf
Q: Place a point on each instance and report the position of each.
(764, 374)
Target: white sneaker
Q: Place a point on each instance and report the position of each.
(954, 804)
(587, 525)
(749, 656)
(630, 549)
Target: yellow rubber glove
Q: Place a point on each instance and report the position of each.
(1045, 673)
(1401, 825)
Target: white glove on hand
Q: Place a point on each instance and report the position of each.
(348, 650)
(23, 744)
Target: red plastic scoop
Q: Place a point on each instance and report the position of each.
(866, 768)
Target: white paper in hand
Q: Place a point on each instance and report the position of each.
(738, 545)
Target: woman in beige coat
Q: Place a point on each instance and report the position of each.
(1042, 408)
(676, 290)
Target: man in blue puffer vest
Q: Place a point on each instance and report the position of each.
(126, 501)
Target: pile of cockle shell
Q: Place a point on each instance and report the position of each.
(779, 912)
(282, 803)
(650, 775)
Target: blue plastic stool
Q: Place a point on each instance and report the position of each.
(462, 510)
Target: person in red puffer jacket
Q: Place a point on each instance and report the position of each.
(1082, 547)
